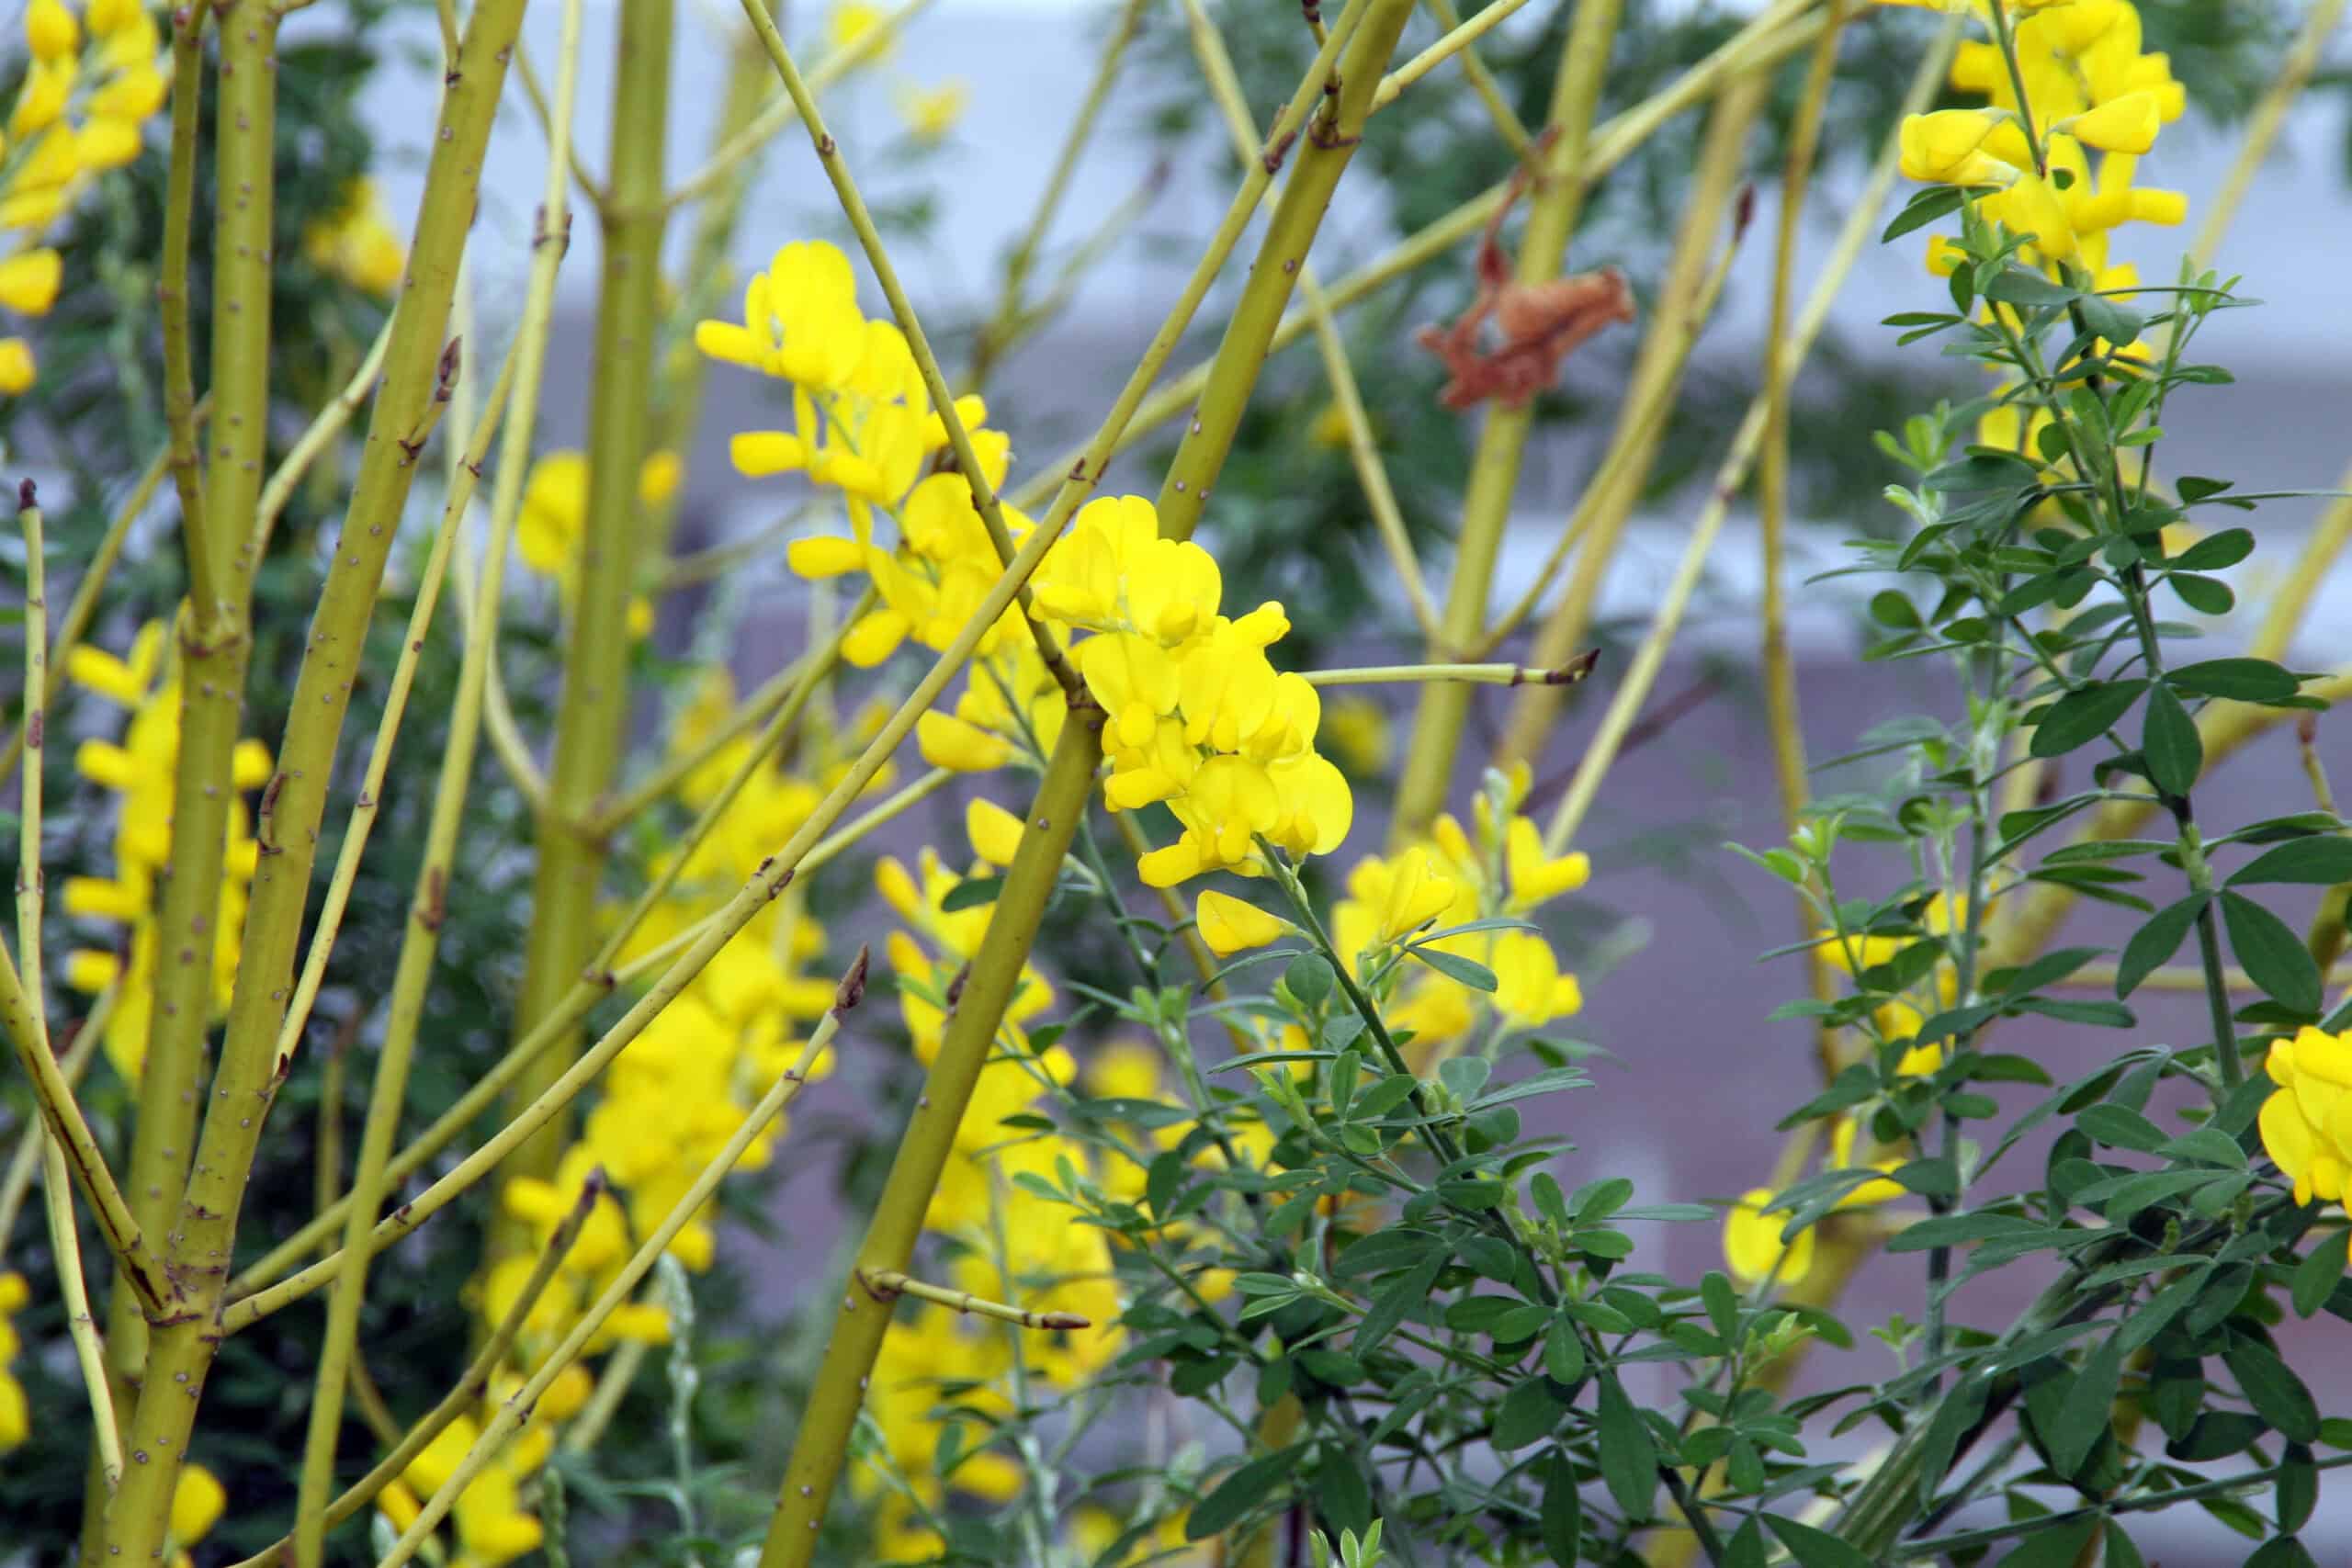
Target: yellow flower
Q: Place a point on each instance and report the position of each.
(2307, 1122)
(2124, 124)
(850, 21)
(50, 30)
(1947, 148)
(994, 832)
(1752, 1245)
(1229, 925)
(30, 279)
(554, 517)
(16, 368)
(1530, 989)
(198, 1500)
(931, 112)
(1404, 896)
(358, 242)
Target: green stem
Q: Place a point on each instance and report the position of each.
(203, 1238)
(1367, 32)
(388, 1093)
(821, 1444)
(594, 703)
(172, 294)
(1003, 327)
(1552, 216)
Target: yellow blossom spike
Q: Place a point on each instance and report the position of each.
(18, 369)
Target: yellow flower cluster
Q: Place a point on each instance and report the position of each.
(356, 242)
(1495, 870)
(492, 1524)
(1899, 1018)
(82, 110)
(2088, 87)
(140, 768)
(1198, 718)
(555, 517)
(2307, 1122)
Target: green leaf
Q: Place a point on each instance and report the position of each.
(1981, 471)
(2322, 860)
(1478, 976)
(2155, 943)
(1309, 978)
(971, 893)
(1343, 1495)
(1239, 1492)
(2271, 1386)
(1549, 1081)
(2242, 679)
(2121, 1127)
(1745, 1550)
(2316, 1275)
(2281, 1551)
(1628, 1456)
(1561, 1516)
(2206, 595)
(2087, 1412)
(1564, 1351)
(1923, 209)
(1390, 1307)
(2170, 745)
(1528, 1413)
(1813, 1548)
(2014, 286)
(1721, 1303)
(2225, 549)
(2122, 1551)
(2052, 1548)
(2297, 1488)
(2083, 715)
(2274, 956)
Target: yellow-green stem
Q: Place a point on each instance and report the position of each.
(462, 1399)
(1388, 519)
(594, 703)
(183, 1344)
(519, 1406)
(1772, 500)
(1656, 380)
(1368, 33)
(413, 972)
(172, 291)
(1459, 39)
(1552, 216)
(33, 1137)
(83, 607)
(677, 412)
(65, 1248)
(821, 1443)
(360, 825)
(1633, 688)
